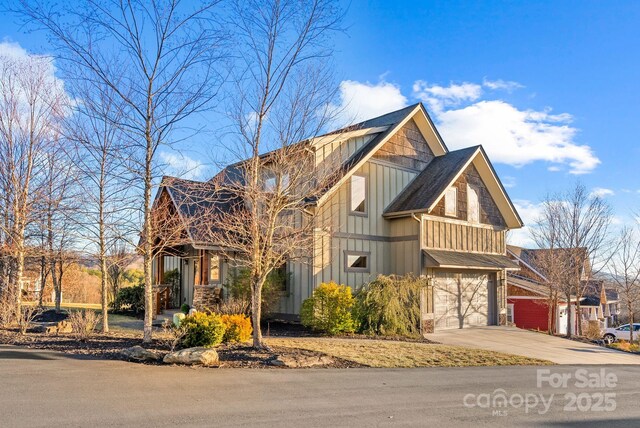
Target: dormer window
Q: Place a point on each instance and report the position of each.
(358, 195)
(451, 202)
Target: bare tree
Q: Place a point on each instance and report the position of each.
(283, 87)
(574, 226)
(103, 177)
(158, 58)
(32, 106)
(624, 267)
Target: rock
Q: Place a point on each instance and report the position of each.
(138, 353)
(62, 327)
(300, 361)
(190, 356)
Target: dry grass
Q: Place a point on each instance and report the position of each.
(384, 353)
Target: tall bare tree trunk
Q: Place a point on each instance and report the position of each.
(148, 232)
(256, 311)
(569, 317)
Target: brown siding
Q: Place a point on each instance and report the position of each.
(513, 290)
(457, 236)
(489, 213)
(406, 148)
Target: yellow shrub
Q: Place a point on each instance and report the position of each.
(238, 328)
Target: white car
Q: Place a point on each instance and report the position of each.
(621, 333)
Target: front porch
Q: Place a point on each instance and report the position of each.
(188, 275)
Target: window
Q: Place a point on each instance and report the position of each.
(510, 313)
(473, 206)
(271, 183)
(214, 268)
(356, 261)
(624, 328)
(451, 202)
(358, 195)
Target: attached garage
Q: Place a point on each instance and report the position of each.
(464, 299)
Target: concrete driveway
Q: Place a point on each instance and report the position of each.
(513, 340)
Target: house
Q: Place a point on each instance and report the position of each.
(403, 203)
(529, 305)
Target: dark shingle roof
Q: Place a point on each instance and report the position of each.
(424, 190)
(198, 203)
(445, 258)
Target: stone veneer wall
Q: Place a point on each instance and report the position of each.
(204, 296)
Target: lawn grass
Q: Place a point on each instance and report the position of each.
(387, 353)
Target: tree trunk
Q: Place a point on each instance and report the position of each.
(579, 316)
(630, 322)
(19, 279)
(569, 317)
(57, 287)
(105, 300)
(256, 312)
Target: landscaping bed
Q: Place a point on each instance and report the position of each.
(110, 346)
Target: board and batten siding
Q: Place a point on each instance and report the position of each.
(457, 236)
(391, 244)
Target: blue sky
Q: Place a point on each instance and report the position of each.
(551, 89)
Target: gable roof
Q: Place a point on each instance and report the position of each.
(196, 202)
(425, 190)
(428, 187)
(393, 121)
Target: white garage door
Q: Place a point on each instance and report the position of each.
(462, 299)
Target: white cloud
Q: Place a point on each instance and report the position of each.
(504, 85)
(182, 166)
(530, 214)
(516, 137)
(438, 97)
(465, 117)
(508, 181)
(601, 192)
(360, 101)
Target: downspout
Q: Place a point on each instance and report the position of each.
(420, 262)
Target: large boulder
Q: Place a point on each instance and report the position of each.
(53, 328)
(300, 361)
(62, 327)
(191, 356)
(138, 353)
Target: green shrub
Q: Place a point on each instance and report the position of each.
(185, 308)
(237, 328)
(239, 289)
(390, 305)
(202, 329)
(329, 309)
(129, 298)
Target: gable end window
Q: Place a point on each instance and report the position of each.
(358, 190)
(451, 202)
(473, 205)
(356, 261)
(214, 269)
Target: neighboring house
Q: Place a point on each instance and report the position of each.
(528, 297)
(403, 204)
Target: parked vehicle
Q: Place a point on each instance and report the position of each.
(621, 333)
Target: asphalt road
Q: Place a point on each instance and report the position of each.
(39, 388)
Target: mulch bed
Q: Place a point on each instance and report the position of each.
(291, 329)
(109, 347)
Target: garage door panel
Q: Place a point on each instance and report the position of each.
(461, 299)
